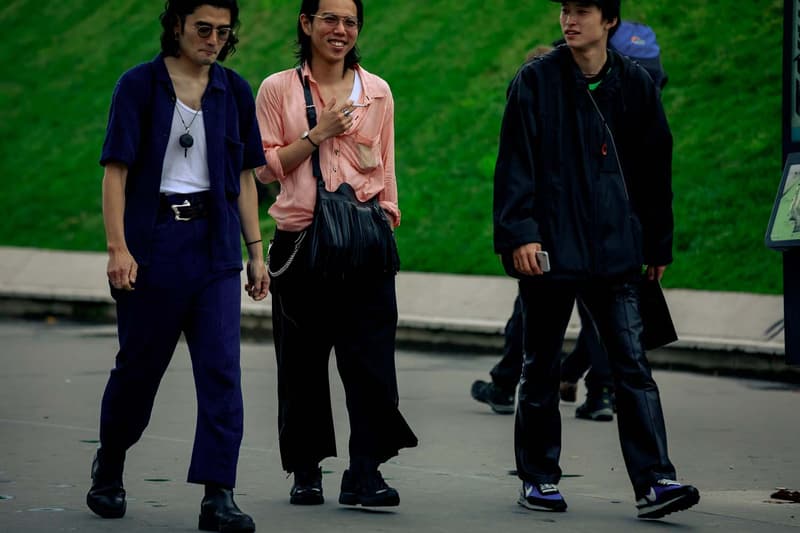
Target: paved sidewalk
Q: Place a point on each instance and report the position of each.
(732, 438)
(719, 331)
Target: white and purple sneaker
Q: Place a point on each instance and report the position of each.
(666, 496)
(541, 497)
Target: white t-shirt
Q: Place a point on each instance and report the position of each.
(185, 170)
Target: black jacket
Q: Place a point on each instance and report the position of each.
(557, 180)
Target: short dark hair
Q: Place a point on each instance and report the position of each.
(177, 10)
(303, 53)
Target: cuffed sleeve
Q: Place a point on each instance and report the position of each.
(269, 114)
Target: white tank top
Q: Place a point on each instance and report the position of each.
(185, 170)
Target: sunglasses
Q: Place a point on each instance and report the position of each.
(205, 30)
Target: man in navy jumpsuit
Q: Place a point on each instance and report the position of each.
(178, 197)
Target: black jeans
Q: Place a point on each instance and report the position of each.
(614, 306)
(357, 318)
(588, 354)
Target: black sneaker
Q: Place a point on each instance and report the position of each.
(307, 487)
(106, 497)
(369, 490)
(501, 401)
(541, 497)
(666, 496)
(598, 406)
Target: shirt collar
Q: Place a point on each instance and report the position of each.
(367, 85)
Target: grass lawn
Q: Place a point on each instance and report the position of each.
(448, 63)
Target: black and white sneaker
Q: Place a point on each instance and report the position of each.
(501, 401)
(541, 497)
(666, 496)
(369, 490)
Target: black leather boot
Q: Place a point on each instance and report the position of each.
(218, 512)
(106, 498)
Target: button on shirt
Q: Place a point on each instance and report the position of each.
(363, 156)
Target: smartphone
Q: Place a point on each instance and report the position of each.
(543, 258)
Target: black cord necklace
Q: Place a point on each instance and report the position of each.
(186, 140)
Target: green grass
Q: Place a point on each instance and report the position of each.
(448, 63)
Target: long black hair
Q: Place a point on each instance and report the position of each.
(176, 11)
(303, 53)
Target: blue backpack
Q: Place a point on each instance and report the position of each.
(638, 42)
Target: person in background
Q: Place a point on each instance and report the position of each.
(584, 172)
(313, 312)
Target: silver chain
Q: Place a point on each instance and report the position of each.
(180, 116)
(288, 262)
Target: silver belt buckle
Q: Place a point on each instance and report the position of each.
(176, 208)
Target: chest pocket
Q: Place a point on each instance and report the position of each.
(367, 152)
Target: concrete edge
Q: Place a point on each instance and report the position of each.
(733, 357)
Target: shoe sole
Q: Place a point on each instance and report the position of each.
(306, 499)
(350, 498)
(502, 409)
(562, 507)
(603, 415)
(681, 503)
(105, 512)
(210, 523)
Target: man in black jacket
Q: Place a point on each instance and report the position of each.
(584, 173)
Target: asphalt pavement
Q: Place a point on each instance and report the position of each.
(735, 439)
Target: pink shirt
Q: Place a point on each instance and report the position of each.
(363, 156)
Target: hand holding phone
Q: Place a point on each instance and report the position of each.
(543, 259)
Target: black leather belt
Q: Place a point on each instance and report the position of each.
(184, 207)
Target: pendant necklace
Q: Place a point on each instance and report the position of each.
(186, 140)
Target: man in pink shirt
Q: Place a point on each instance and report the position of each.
(353, 140)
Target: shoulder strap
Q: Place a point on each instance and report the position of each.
(311, 115)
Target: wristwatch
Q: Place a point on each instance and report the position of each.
(306, 136)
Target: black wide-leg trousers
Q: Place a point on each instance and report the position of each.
(357, 318)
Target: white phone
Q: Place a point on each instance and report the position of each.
(543, 258)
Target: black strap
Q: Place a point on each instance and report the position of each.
(311, 114)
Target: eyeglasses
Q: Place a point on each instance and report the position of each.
(330, 20)
(204, 31)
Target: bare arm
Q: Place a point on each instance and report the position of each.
(122, 267)
(257, 279)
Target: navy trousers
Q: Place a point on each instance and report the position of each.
(614, 308)
(179, 293)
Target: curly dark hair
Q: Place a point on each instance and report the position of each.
(177, 10)
(303, 53)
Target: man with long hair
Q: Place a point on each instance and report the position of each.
(178, 197)
(331, 114)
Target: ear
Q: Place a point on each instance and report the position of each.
(305, 23)
(611, 23)
(177, 27)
